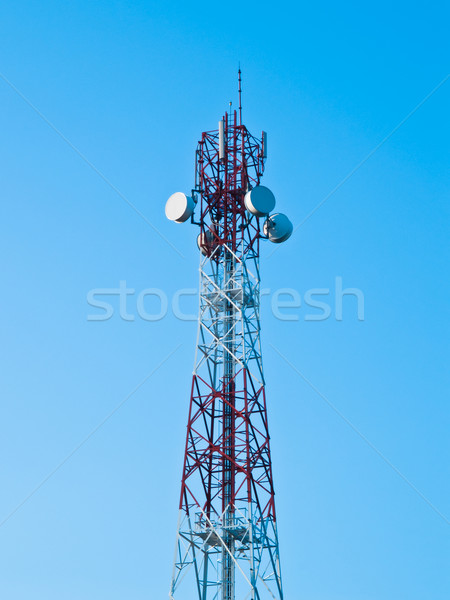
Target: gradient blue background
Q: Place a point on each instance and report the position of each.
(133, 85)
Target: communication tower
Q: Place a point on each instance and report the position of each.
(227, 540)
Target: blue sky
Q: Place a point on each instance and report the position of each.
(132, 87)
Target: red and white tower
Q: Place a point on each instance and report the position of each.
(227, 541)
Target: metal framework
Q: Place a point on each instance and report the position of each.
(227, 542)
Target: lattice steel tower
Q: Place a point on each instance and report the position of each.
(227, 541)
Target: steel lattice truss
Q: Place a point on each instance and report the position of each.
(227, 544)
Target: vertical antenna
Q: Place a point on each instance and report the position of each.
(240, 95)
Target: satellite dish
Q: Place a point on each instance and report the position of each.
(206, 242)
(179, 207)
(278, 228)
(259, 201)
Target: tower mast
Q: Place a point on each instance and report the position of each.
(227, 540)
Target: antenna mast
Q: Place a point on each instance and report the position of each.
(240, 96)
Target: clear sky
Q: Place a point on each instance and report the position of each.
(131, 86)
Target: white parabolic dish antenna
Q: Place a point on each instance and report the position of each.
(278, 228)
(206, 243)
(179, 207)
(259, 201)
